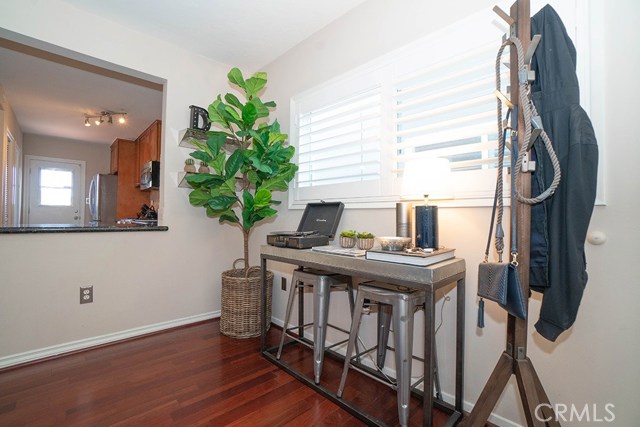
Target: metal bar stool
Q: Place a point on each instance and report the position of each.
(323, 283)
(399, 304)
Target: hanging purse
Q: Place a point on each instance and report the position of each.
(499, 281)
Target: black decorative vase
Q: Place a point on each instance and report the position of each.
(427, 227)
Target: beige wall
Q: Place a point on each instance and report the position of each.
(595, 362)
(141, 281)
(97, 157)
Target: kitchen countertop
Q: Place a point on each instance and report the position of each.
(85, 228)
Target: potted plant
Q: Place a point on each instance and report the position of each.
(365, 240)
(248, 160)
(348, 238)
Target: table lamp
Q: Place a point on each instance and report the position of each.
(426, 179)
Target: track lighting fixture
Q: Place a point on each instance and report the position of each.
(98, 119)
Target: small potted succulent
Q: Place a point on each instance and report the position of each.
(189, 166)
(204, 168)
(348, 238)
(365, 240)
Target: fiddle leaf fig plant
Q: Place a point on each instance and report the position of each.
(248, 158)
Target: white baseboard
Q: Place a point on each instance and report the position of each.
(42, 353)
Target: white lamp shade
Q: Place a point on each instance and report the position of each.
(427, 176)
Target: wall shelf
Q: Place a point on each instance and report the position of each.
(186, 135)
(182, 181)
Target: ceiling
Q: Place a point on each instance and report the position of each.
(50, 96)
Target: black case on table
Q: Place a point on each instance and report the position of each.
(317, 227)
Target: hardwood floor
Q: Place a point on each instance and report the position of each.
(190, 376)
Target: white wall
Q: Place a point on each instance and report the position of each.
(139, 279)
(595, 361)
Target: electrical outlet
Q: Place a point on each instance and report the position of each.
(86, 294)
(283, 283)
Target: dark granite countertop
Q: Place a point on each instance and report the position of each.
(86, 228)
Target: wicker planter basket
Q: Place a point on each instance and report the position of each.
(241, 302)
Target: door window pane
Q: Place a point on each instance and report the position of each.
(56, 187)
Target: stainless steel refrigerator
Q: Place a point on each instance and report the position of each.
(102, 200)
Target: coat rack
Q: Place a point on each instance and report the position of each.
(514, 360)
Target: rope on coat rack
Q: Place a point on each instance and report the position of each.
(530, 116)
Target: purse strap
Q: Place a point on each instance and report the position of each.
(498, 205)
(514, 155)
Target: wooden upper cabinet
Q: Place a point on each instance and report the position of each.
(149, 144)
(114, 157)
(124, 163)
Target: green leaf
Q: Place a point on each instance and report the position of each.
(216, 141)
(214, 113)
(277, 137)
(229, 216)
(288, 171)
(228, 188)
(247, 211)
(261, 109)
(275, 126)
(204, 179)
(232, 112)
(255, 83)
(260, 75)
(221, 203)
(227, 116)
(234, 162)
(252, 176)
(249, 115)
(200, 155)
(270, 104)
(255, 161)
(235, 77)
(259, 147)
(218, 163)
(198, 197)
(266, 212)
(275, 183)
(247, 198)
(262, 198)
(254, 134)
(233, 100)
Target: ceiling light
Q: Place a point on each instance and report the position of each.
(100, 118)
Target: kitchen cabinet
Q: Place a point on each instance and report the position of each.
(114, 158)
(124, 163)
(149, 145)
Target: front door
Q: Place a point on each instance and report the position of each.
(55, 191)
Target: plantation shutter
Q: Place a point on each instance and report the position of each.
(449, 111)
(339, 146)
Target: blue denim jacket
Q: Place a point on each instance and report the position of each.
(559, 224)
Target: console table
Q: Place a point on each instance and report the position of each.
(429, 279)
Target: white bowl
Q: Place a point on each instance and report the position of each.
(394, 243)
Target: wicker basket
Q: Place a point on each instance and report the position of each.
(241, 303)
